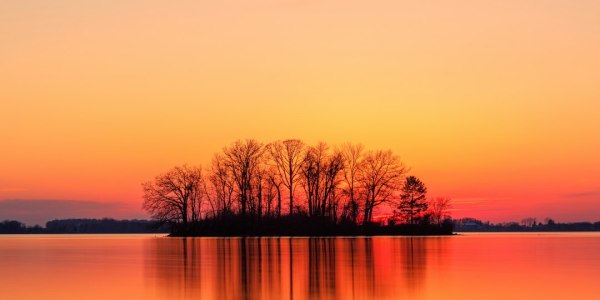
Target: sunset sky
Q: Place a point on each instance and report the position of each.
(492, 103)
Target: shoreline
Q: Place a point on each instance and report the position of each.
(315, 228)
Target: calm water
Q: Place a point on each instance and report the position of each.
(469, 266)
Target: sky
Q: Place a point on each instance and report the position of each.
(492, 103)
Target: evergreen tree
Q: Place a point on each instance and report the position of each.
(412, 199)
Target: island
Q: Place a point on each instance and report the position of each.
(289, 188)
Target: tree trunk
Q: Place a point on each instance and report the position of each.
(278, 202)
(291, 199)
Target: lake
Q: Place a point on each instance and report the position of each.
(465, 266)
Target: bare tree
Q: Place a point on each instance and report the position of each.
(311, 173)
(352, 155)
(529, 222)
(288, 156)
(175, 196)
(320, 178)
(223, 185)
(259, 183)
(333, 167)
(379, 176)
(413, 199)
(273, 189)
(242, 159)
(439, 207)
(198, 194)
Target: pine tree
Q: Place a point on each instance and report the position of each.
(412, 198)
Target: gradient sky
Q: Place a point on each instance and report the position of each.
(492, 103)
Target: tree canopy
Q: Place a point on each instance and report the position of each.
(413, 199)
(253, 180)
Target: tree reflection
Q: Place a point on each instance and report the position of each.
(322, 267)
(287, 268)
(414, 262)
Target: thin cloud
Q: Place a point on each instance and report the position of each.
(479, 200)
(583, 194)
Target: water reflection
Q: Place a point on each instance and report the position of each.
(288, 268)
(470, 266)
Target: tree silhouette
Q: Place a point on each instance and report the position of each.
(242, 190)
(320, 178)
(438, 207)
(380, 172)
(175, 196)
(274, 188)
(353, 155)
(529, 222)
(222, 187)
(288, 157)
(243, 159)
(412, 198)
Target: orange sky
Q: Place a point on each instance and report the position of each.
(493, 103)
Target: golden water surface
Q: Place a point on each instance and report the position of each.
(466, 266)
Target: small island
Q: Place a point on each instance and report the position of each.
(287, 188)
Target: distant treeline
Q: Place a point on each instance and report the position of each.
(528, 224)
(85, 226)
(266, 186)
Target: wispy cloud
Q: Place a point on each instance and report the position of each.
(582, 194)
(479, 200)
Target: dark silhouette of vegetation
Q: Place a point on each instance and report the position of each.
(103, 226)
(526, 225)
(439, 209)
(85, 226)
(175, 196)
(413, 201)
(352, 157)
(12, 226)
(243, 159)
(287, 157)
(303, 225)
(320, 172)
(326, 190)
(380, 174)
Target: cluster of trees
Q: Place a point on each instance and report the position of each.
(105, 225)
(527, 224)
(252, 180)
(13, 226)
